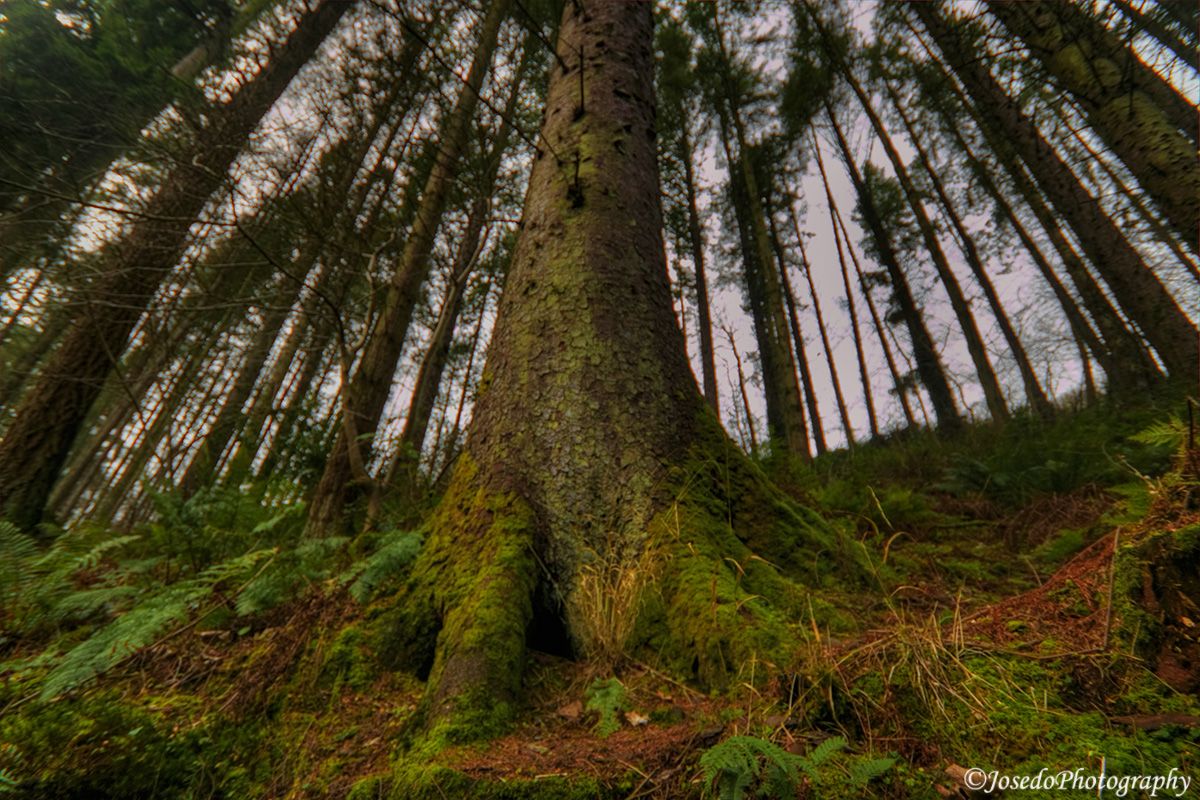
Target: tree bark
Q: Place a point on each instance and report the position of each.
(843, 412)
(1140, 116)
(578, 451)
(696, 240)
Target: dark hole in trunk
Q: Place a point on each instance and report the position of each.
(547, 630)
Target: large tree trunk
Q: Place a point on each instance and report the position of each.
(1130, 107)
(1136, 288)
(590, 433)
(49, 417)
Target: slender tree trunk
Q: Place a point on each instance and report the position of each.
(801, 353)
(929, 364)
(367, 389)
(1161, 33)
(1081, 329)
(1034, 393)
(696, 240)
(992, 393)
(403, 464)
(1127, 363)
(1140, 116)
(900, 386)
(843, 412)
(868, 397)
(22, 369)
(274, 314)
(1164, 235)
(1136, 288)
(46, 423)
(741, 385)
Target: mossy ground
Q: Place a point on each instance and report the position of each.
(950, 609)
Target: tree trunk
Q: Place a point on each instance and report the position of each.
(696, 240)
(1160, 32)
(402, 466)
(843, 412)
(1034, 394)
(1138, 115)
(992, 393)
(590, 436)
(868, 397)
(801, 352)
(37, 442)
(367, 390)
(929, 364)
(1126, 362)
(1136, 288)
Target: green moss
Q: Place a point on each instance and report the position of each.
(350, 660)
(436, 782)
(463, 616)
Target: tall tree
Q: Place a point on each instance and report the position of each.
(1137, 114)
(45, 424)
(928, 362)
(555, 483)
(676, 85)
(1034, 393)
(365, 390)
(1135, 287)
(855, 329)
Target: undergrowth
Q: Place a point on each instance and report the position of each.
(885, 689)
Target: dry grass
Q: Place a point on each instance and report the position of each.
(602, 609)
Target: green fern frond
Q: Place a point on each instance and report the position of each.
(865, 770)
(734, 765)
(123, 637)
(823, 752)
(398, 550)
(1168, 433)
(608, 699)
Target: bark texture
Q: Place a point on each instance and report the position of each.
(591, 447)
(1129, 106)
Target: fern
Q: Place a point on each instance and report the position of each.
(1170, 433)
(397, 552)
(740, 762)
(608, 699)
(865, 770)
(736, 764)
(142, 625)
(289, 573)
(122, 638)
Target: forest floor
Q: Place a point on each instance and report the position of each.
(1019, 624)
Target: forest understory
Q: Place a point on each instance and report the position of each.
(1032, 605)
